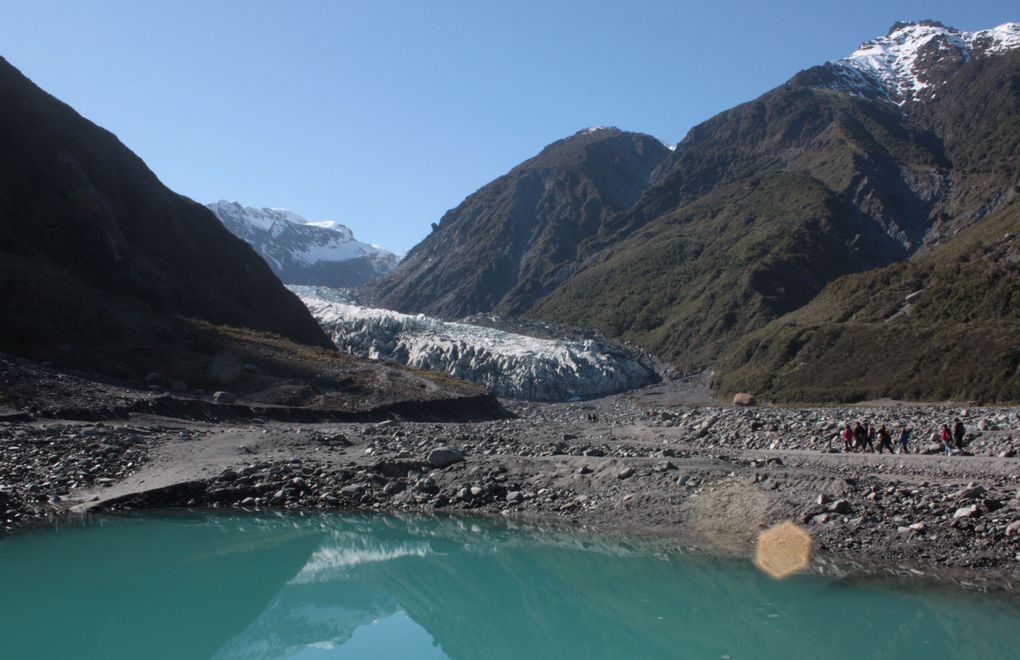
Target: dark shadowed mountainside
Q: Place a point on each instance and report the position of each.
(91, 242)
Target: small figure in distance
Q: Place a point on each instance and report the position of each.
(958, 432)
(904, 440)
(884, 439)
(848, 438)
(869, 438)
(947, 440)
(859, 435)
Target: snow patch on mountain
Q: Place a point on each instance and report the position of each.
(509, 365)
(902, 62)
(305, 252)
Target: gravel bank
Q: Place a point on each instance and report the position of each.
(712, 476)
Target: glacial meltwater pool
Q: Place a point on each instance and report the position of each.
(240, 585)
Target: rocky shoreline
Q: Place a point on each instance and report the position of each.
(708, 475)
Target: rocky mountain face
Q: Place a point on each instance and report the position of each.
(299, 251)
(519, 237)
(914, 60)
(93, 247)
(853, 165)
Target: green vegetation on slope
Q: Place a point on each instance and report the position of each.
(945, 326)
(695, 281)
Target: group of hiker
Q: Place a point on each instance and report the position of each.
(866, 437)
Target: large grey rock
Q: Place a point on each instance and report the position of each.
(970, 493)
(840, 506)
(224, 397)
(965, 512)
(444, 457)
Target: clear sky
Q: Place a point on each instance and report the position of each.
(383, 115)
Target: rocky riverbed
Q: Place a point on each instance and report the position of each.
(662, 460)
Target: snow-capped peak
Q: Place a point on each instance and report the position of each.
(904, 61)
(303, 251)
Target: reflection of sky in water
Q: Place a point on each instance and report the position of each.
(310, 586)
(396, 636)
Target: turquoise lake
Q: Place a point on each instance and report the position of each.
(330, 586)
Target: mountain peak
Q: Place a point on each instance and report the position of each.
(901, 25)
(913, 57)
(300, 251)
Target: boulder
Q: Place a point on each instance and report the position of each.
(224, 397)
(840, 506)
(970, 493)
(744, 399)
(444, 457)
(965, 512)
(625, 473)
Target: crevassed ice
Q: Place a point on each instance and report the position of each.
(508, 364)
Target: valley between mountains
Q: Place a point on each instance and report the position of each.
(565, 344)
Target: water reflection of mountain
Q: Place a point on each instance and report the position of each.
(264, 586)
(482, 590)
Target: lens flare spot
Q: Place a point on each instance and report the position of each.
(783, 550)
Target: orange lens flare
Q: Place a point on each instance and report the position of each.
(783, 550)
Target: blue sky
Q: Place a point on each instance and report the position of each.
(383, 115)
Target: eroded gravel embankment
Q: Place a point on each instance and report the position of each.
(712, 476)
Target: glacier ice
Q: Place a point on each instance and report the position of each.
(510, 365)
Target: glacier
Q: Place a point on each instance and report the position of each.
(509, 365)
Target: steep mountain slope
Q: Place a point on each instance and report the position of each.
(686, 286)
(517, 238)
(728, 238)
(856, 164)
(96, 252)
(942, 326)
(301, 252)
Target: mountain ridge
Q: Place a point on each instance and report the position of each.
(516, 238)
(760, 207)
(301, 251)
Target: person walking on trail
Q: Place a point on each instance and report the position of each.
(859, 434)
(904, 440)
(947, 440)
(869, 439)
(958, 432)
(848, 438)
(884, 439)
